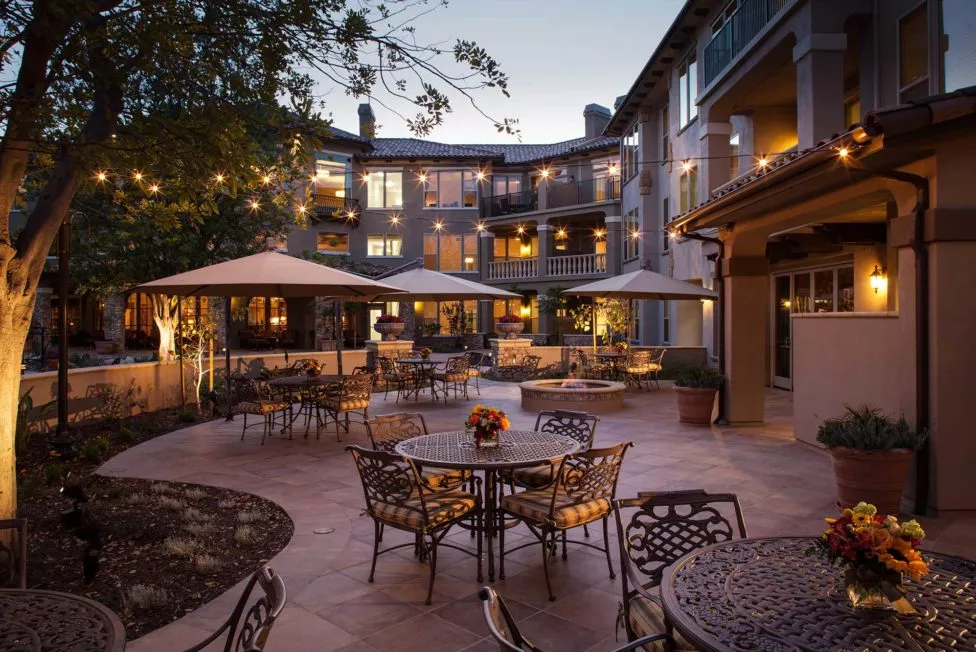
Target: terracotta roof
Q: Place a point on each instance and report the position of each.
(515, 154)
(341, 134)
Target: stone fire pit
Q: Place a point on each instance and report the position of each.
(593, 396)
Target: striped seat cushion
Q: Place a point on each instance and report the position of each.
(443, 477)
(533, 477)
(534, 506)
(647, 619)
(345, 405)
(441, 507)
(473, 372)
(452, 378)
(263, 407)
(639, 369)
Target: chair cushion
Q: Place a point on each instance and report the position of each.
(533, 477)
(452, 378)
(442, 477)
(263, 407)
(534, 506)
(647, 619)
(473, 372)
(441, 507)
(345, 405)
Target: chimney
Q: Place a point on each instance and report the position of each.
(619, 102)
(367, 121)
(596, 118)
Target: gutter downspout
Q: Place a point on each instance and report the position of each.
(720, 419)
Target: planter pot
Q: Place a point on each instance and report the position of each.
(510, 330)
(390, 331)
(876, 477)
(695, 405)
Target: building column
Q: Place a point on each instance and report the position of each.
(113, 320)
(716, 166)
(615, 244)
(746, 309)
(546, 248)
(409, 316)
(217, 314)
(819, 59)
(486, 253)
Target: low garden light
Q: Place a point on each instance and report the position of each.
(879, 279)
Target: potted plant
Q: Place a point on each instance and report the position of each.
(389, 326)
(695, 388)
(510, 325)
(871, 453)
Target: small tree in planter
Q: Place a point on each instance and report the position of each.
(871, 454)
(695, 388)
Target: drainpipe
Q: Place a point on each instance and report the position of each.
(720, 419)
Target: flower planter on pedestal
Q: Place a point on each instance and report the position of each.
(695, 404)
(872, 476)
(390, 330)
(511, 330)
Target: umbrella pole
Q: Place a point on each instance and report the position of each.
(593, 324)
(230, 415)
(338, 333)
(179, 349)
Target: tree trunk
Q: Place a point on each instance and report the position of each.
(15, 318)
(165, 320)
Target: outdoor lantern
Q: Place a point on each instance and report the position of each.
(879, 279)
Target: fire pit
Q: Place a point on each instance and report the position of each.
(594, 396)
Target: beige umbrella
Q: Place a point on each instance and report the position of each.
(428, 285)
(642, 284)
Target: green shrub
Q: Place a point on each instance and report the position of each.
(92, 451)
(699, 378)
(866, 428)
(187, 416)
(126, 436)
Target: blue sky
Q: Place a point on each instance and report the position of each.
(560, 55)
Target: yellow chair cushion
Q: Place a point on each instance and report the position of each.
(452, 378)
(263, 407)
(647, 619)
(473, 372)
(442, 477)
(345, 405)
(534, 477)
(534, 506)
(441, 507)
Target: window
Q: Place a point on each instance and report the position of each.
(384, 189)
(733, 156)
(665, 219)
(913, 54)
(958, 43)
(688, 187)
(665, 135)
(516, 248)
(332, 243)
(332, 180)
(384, 245)
(631, 234)
(629, 152)
(506, 184)
(451, 189)
(666, 323)
(687, 91)
(450, 252)
(852, 110)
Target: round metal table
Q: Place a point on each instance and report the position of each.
(35, 621)
(770, 594)
(423, 376)
(516, 449)
(304, 385)
(613, 358)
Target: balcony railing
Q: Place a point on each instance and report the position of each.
(340, 209)
(577, 265)
(747, 21)
(562, 195)
(504, 270)
(511, 204)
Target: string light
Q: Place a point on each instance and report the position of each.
(266, 179)
(520, 230)
(481, 175)
(763, 162)
(480, 227)
(395, 219)
(219, 178)
(302, 209)
(137, 175)
(686, 165)
(254, 204)
(101, 176)
(154, 188)
(438, 226)
(351, 215)
(598, 233)
(843, 152)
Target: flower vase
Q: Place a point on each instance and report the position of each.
(869, 589)
(485, 437)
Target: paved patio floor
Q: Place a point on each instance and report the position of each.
(785, 488)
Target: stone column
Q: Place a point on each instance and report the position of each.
(819, 60)
(716, 166)
(746, 308)
(409, 316)
(217, 313)
(615, 244)
(324, 324)
(113, 320)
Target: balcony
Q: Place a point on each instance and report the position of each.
(511, 204)
(743, 26)
(577, 265)
(554, 195)
(511, 270)
(336, 209)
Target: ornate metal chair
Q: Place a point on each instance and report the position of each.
(354, 395)
(397, 496)
(657, 364)
(454, 376)
(476, 360)
(661, 529)
(578, 426)
(637, 368)
(581, 493)
(388, 430)
(591, 369)
(506, 633)
(256, 398)
(248, 631)
(398, 378)
(13, 559)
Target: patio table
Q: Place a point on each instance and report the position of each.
(423, 376)
(305, 386)
(613, 358)
(516, 449)
(33, 620)
(771, 594)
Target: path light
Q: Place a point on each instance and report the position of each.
(879, 279)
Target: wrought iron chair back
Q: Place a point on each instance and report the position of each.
(666, 526)
(475, 359)
(457, 364)
(657, 356)
(387, 478)
(248, 628)
(13, 559)
(530, 363)
(579, 426)
(301, 365)
(358, 386)
(388, 430)
(582, 358)
(387, 366)
(360, 370)
(589, 475)
(501, 624)
(639, 359)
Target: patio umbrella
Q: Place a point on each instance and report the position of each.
(270, 274)
(428, 285)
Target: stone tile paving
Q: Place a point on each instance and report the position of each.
(785, 488)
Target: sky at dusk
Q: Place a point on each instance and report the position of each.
(560, 55)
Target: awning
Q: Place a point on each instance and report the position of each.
(642, 284)
(428, 285)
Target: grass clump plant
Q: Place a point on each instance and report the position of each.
(867, 428)
(145, 597)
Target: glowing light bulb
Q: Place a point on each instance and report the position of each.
(395, 220)
(137, 175)
(763, 162)
(843, 152)
(561, 233)
(481, 175)
(302, 209)
(422, 178)
(613, 169)
(686, 166)
(438, 226)
(154, 188)
(673, 235)
(254, 204)
(266, 179)
(101, 176)
(479, 227)
(366, 176)
(219, 178)
(545, 173)
(634, 235)
(598, 233)
(520, 230)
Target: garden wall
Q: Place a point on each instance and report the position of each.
(676, 356)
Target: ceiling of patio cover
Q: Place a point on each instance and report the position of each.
(428, 285)
(642, 284)
(269, 274)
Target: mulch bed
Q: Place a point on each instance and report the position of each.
(221, 536)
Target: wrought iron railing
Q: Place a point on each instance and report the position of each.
(747, 21)
(577, 265)
(510, 204)
(341, 209)
(562, 195)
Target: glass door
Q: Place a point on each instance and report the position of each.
(782, 351)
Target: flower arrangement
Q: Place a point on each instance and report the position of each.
(389, 319)
(877, 550)
(309, 367)
(425, 352)
(620, 346)
(487, 421)
(509, 319)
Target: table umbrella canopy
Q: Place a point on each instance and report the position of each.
(642, 284)
(428, 285)
(269, 274)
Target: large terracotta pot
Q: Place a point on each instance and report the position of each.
(511, 329)
(695, 404)
(875, 477)
(390, 330)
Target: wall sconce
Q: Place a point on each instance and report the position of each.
(525, 250)
(526, 311)
(879, 279)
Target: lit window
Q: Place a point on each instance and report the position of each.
(450, 252)
(913, 54)
(384, 189)
(332, 243)
(451, 189)
(687, 91)
(958, 32)
(688, 187)
(506, 184)
(384, 245)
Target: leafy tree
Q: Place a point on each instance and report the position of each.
(87, 83)
(615, 312)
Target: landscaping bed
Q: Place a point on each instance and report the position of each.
(164, 548)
